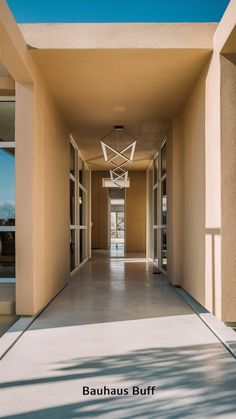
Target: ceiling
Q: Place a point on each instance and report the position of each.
(142, 89)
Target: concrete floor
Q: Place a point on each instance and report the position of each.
(6, 321)
(118, 325)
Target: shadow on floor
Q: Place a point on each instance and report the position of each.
(193, 382)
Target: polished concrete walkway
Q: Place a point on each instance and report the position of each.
(118, 325)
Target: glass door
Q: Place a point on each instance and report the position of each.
(160, 211)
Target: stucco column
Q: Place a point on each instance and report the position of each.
(213, 274)
(228, 186)
(175, 203)
(30, 240)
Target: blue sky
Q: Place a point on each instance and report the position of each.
(7, 178)
(29, 11)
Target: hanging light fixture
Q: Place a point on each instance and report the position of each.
(118, 156)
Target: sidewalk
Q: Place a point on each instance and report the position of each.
(118, 325)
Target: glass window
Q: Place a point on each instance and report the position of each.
(155, 244)
(7, 254)
(72, 159)
(7, 187)
(163, 202)
(7, 121)
(163, 160)
(72, 203)
(155, 206)
(120, 221)
(81, 170)
(72, 249)
(164, 248)
(82, 207)
(155, 169)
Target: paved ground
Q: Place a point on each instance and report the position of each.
(6, 321)
(118, 325)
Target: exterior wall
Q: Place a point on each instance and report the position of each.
(42, 173)
(202, 246)
(175, 188)
(42, 198)
(100, 216)
(135, 212)
(186, 190)
(228, 173)
(193, 230)
(213, 275)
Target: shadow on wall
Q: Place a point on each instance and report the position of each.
(193, 382)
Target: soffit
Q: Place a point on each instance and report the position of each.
(141, 89)
(136, 75)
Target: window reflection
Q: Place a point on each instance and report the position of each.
(72, 249)
(7, 120)
(7, 187)
(82, 207)
(155, 170)
(7, 254)
(163, 202)
(163, 160)
(164, 248)
(72, 159)
(72, 203)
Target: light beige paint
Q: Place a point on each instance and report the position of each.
(228, 178)
(224, 37)
(42, 197)
(151, 84)
(118, 35)
(135, 212)
(186, 191)
(175, 197)
(7, 86)
(213, 189)
(100, 212)
(42, 177)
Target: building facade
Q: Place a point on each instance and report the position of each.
(62, 86)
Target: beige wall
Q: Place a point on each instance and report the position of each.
(42, 198)
(186, 190)
(42, 177)
(100, 216)
(228, 178)
(201, 219)
(175, 188)
(135, 212)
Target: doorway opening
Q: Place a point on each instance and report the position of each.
(117, 221)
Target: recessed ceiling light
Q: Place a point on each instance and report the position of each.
(119, 108)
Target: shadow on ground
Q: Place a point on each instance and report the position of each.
(193, 382)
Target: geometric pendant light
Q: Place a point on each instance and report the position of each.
(117, 156)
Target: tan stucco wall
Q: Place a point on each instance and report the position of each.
(186, 188)
(194, 192)
(100, 215)
(119, 35)
(175, 187)
(202, 155)
(42, 177)
(135, 212)
(42, 198)
(228, 178)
